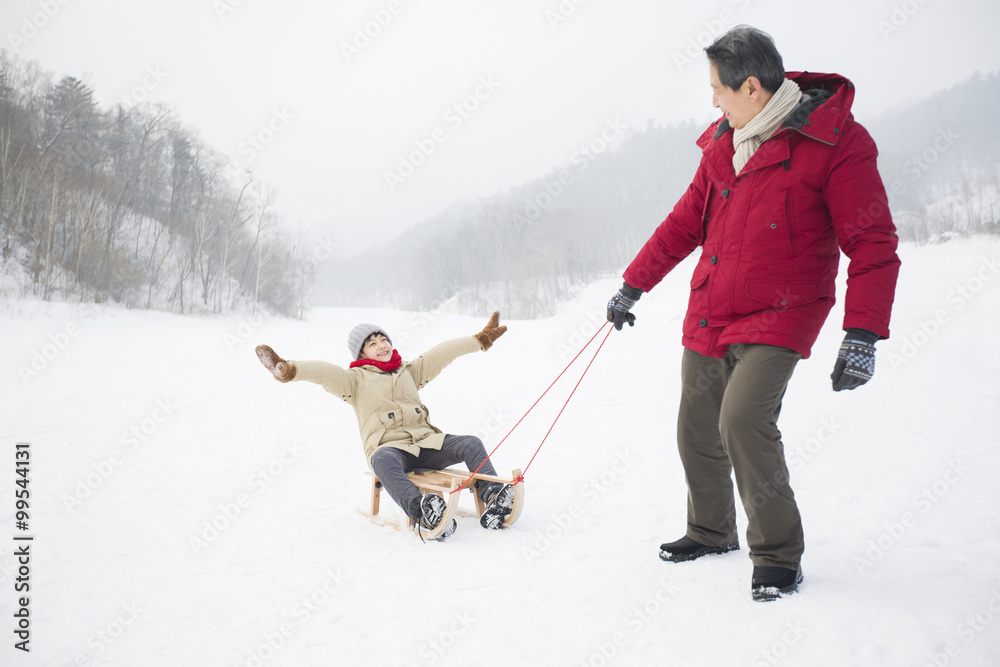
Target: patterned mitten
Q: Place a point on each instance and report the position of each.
(855, 361)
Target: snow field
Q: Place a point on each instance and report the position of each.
(188, 509)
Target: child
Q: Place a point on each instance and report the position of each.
(395, 432)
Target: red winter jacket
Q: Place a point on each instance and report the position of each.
(771, 237)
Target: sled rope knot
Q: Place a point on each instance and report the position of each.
(520, 478)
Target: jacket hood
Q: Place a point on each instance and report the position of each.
(825, 108)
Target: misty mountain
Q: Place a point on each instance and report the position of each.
(525, 249)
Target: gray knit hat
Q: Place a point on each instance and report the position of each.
(358, 336)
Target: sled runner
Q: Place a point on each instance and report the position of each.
(443, 483)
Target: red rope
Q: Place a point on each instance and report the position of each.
(520, 478)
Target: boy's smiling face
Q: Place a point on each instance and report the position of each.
(377, 348)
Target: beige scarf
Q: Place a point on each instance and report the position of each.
(747, 139)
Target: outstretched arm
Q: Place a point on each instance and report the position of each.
(334, 379)
(428, 365)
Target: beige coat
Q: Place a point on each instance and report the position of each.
(388, 407)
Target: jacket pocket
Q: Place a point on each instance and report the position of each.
(789, 223)
(373, 431)
(700, 274)
(783, 295)
(703, 223)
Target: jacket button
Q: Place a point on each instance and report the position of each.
(703, 323)
(725, 193)
(836, 130)
(714, 260)
(808, 123)
(774, 225)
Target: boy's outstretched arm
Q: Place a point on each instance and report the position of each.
(428, 365)
(333, 379)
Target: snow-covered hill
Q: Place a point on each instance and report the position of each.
(188, 510)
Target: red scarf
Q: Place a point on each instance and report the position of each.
(388, 366)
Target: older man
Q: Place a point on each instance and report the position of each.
(787, 180)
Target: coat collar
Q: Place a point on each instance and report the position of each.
(822, 115)
(824, 111)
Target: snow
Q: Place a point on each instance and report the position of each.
(189, 510)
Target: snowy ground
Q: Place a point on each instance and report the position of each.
(189, 510)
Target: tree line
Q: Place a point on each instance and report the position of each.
(128, 205)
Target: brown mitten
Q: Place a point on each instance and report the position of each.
(283, 371)
(491, 332)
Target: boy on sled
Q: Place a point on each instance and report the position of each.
(395, 431)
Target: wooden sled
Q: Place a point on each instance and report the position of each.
(443, 482)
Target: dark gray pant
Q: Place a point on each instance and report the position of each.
(391, 466)
(728, 422)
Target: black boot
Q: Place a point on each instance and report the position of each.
(771, 582)
(499, 504)
(686, 549)
(427, 511)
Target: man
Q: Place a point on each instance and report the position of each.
(395, 431)
(787, 180)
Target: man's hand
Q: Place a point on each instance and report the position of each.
(855, 361)
(491, 332)
(621, 303)
(283, 371)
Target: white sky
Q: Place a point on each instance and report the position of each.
(234, 69)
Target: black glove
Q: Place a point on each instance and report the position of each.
(620, 304)
(855, 361)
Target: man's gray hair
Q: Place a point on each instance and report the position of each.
(743, 52)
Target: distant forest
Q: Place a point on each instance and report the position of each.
(128, 205)
(525, 249)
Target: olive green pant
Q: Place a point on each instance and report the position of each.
(728, 424)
